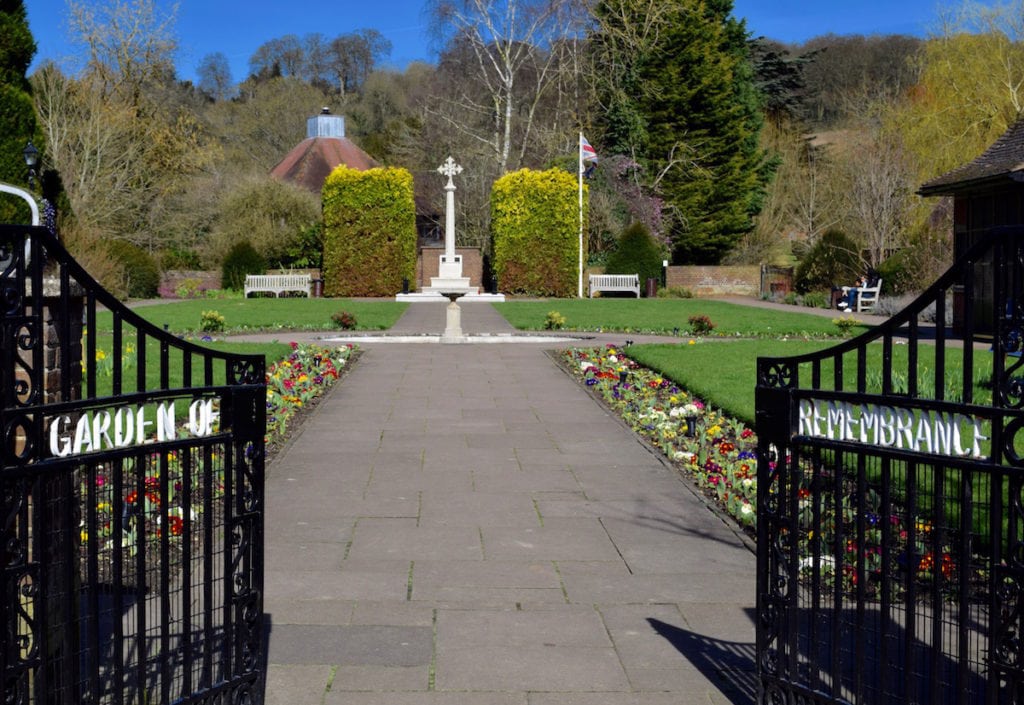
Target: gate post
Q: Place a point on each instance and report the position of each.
(53, 541)
(774, 415)
(58, 325)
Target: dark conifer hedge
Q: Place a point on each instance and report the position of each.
(636, 253)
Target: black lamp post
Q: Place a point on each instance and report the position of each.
(31, 155)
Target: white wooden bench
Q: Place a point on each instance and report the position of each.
(277, 284)
(615, 282)
(867, 297)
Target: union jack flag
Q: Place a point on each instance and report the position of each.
(588, 152)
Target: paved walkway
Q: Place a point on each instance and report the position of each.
(466, 525)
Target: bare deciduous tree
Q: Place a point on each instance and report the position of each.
(282, 56)
(352, 57)
(118, 133)
(317, 65)
(817, 198)
(507, 55)
(215, 76)
(880, 197)
(845, 72)
(129, 44)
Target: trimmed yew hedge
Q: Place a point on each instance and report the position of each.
(369, 232)
(535, 227)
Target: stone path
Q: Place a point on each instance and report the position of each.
(466, 525)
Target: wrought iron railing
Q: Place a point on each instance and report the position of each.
(132, 485)
(891, 513)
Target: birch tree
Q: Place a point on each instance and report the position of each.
(508, 54)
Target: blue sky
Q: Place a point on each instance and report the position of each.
(238, 28)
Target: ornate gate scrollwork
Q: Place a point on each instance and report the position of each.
(131, 543)
(891, 502)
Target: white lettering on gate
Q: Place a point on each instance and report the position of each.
(125, 426)
(903, 428)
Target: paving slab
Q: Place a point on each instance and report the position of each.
(467, 525)
(350, 645)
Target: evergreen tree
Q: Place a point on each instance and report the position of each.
(779, 78)
(636, 253)
(678, 94)
(17, 114)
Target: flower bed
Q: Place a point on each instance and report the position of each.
(296, 381)
(123, 503)
(716, 451)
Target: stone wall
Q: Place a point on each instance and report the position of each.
(54, 324)
(716, 281)
(429, 258)
(56, 371)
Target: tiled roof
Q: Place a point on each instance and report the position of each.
(309, 163)
(1004, 158)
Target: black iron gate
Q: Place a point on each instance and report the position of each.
(131, 542)
(891, 503)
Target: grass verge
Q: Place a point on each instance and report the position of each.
(266, 314)
(271, 352)
(723, 373)
(670, 316)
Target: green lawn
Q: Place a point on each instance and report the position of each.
(272, 352)
(668, 315)
(266, 314)
(724, 372)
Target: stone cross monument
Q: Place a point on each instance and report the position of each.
(449, 282)
(450, 169)
(450, 279)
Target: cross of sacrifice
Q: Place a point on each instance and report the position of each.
(449, 169)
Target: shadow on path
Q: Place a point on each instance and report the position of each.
(729, 665)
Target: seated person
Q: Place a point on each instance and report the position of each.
(850, 300)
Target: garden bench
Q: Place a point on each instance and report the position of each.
(277, 284)
(615, 282)
(867, 297)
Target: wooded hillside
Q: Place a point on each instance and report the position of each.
(726, 146)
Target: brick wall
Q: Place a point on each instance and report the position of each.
(716, 281)
(429, 259)
(172, 279)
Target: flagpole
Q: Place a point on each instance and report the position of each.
(579, 176)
